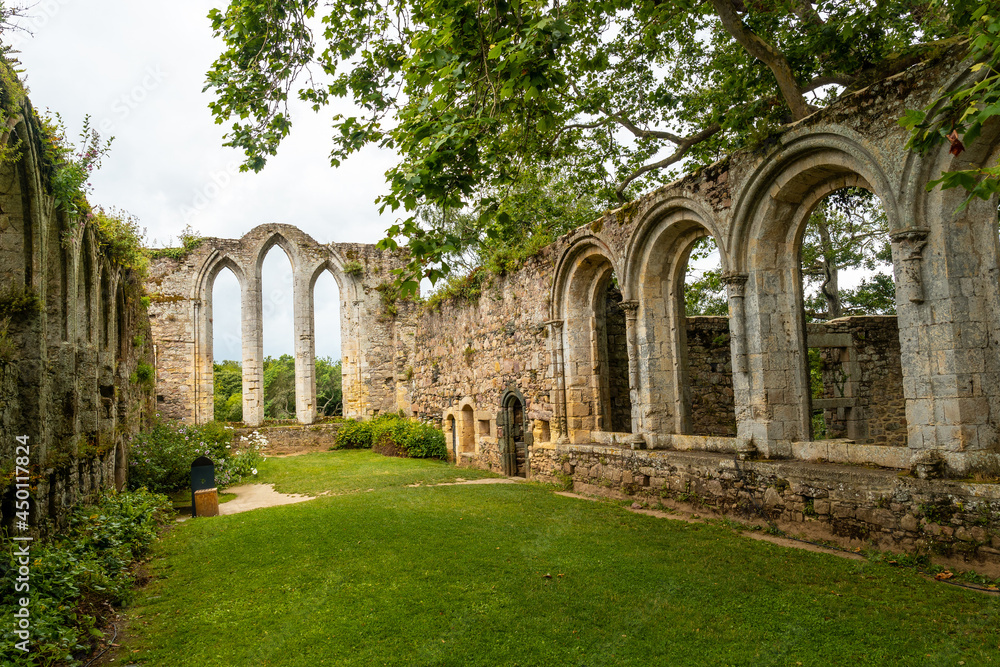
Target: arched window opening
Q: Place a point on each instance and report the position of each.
(594, 347)
(329, 363)
(85, 288)
(616, 408)
(467, 437)
(705, 353)
(227, 347)
(278, 332)
(849, 306)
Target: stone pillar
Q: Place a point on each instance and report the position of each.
(909, 246)
(631, 308)
(559, 374)
(305, 349)
(736, 285)
(253, 351)
(947, 311)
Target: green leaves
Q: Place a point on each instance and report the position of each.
(474, 95)
(958, 117)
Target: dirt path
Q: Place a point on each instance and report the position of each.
(252, 496)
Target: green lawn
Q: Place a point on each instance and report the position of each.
(457, 575)
(350, 471)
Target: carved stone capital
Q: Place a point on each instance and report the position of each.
(555, 325)
(911, 242)
(631, 308)
(736, 284)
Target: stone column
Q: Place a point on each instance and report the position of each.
(559, 375)
(253, 351)
(947, 311)
(631, 308)
(736, 285)
(305, 349)
(909, 244)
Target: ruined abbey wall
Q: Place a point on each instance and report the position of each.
(181, 319)
(73, 338)
(723, 412)
(583, 363)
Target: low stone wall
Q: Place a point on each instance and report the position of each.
(862, 375)
(846, 504)
(295, 438)
(710, 373)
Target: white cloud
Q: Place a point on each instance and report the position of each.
(138, 69)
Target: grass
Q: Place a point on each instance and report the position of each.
(456, 575)
(349, 471)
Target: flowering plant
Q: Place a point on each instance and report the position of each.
(160, 459)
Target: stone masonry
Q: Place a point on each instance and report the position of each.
(914, 398)
(75, 371)
(181, 320)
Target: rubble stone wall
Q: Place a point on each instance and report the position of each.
(75, 354)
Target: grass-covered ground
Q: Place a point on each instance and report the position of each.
(515, 575)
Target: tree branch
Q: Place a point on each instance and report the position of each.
(820, 81)
(684, 145)
(767, 54)
(639, 132)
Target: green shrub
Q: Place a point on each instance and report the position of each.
(354, 434)
(393, 435)
(160, 459)
(423, 441)
(76, 577)
(389, 432)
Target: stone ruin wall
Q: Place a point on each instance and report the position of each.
(862, 379)
(535, 332)
(710, 374)
(919, 403)
(68, 371)
(181, 318)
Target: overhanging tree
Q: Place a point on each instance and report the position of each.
(473, 95)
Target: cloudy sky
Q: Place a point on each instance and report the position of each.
(138, 69)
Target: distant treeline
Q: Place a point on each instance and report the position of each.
(279, 388)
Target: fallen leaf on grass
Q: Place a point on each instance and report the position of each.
(941, 576)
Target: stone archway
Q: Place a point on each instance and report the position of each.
(181, 318)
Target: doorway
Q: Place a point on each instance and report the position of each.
(514, 436)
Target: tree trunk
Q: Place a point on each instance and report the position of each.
(830, 287)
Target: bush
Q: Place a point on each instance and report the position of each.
(393, 435)
(160, 459)
(77, 576)
(423, 441)
(354, 434)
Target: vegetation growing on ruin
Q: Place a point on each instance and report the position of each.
(12, 97)
(120, 238)
(69, 166)
(190, 241)
(79, 577)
